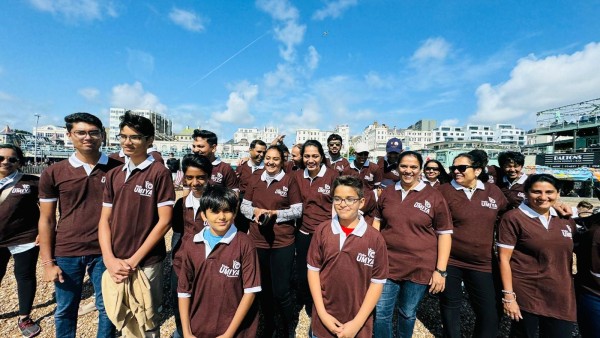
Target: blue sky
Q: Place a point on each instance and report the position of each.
(222, 65)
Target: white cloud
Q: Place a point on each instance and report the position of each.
(538, 84)
(287, 30)
(77, 10)
(450, 122)
(89, 93)
(238, 104)
(312, 58)
(187, 19)
(140, 64)
(133, 96)
(283, 77)
(334, 9)
(4, 96)
(432, 48)
(374, 80)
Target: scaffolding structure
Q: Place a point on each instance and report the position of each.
(577, 114)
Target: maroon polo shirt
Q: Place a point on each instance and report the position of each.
(514, 192)
(120, 155)
(338, 165)
(474, 223)
(223, 174)
(216, 280)
(20, 212)
(246, 172)
(79, 198)
(135, 204)
(588, 255)
(495, 174)
(279, 195)
(316, 197)
(541, 262)
(410, 227)
(290, 166)
(369, 174)
(347, 266)
(388, 172)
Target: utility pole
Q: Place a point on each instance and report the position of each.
(35, 139)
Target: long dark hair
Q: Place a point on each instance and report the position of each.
(443, 177)
(478, 163)
(312, 143)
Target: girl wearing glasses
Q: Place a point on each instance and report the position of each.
(18, 230)
(415, 222)
(272, 203)
(535, 245)
(435, 174)
(475, 206)
(315, 183)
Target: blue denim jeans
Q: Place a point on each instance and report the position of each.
(68, 295)
(406, 295)
(588, 314)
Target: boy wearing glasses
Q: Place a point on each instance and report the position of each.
(333, 158)
(70, 248)
(347, 267)
(136, 212)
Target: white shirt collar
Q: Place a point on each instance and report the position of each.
(252, 166)
(420, 186)
(520, 180)
(353, 166)
(8, 179)
(217, 160)
(457, 186)
(359, 230)
(227, 238)
(192, 202)
(76, 162)
(320, 174)
(534, 214)
(145, 164)
(278, 177)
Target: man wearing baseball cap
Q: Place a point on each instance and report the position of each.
(388, 165)
(362, 168)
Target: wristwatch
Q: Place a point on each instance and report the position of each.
(442, 273)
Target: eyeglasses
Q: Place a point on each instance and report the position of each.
(132, 138)
(432, 169)
(349, 201)
(11, 159)
(461, 168)
(335, 144)
(81, 134)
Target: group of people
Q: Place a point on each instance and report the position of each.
(366, 241)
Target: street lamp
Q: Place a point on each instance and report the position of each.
(35, 139)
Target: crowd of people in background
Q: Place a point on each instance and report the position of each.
(358, 241)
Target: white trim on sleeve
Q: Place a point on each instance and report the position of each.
(445, 232)
(377, 218)
(378, 281)
(165, 203)
(312, 268)
(505, 246)
(597, 275)
(48, 200)
(184, 295)
(253, 290)
(108, 205)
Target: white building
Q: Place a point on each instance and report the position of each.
(162, 125)
(303, 135)
(506, 134)
(266, 134)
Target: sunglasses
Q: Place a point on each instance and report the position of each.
(461, 168)
(11, 159)
(432, 168)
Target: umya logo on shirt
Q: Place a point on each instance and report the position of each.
(25, 189)
(282, 192)
(521, 195)
(103, 179)
(234, 271)
(424, 207)
(339, 168)
(326, 189)
(146, 190)
(218, 178)
(395, 172)
(567, 233)
(490, 203)
(367, 259)
(369, 177)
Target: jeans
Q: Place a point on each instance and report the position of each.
(588, 314)
(24, 268)
(407, 295)
(275, 297)
(548, 327)
(68, 295)
(484, 297)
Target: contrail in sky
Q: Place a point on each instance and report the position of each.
(229, 59)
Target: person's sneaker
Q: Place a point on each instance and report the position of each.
(28, 327)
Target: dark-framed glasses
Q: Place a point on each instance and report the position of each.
(431, 169)
(461, 168)
(349, 200)
(133, 138)
(81, 134)
(11, 159)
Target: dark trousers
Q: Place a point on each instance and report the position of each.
(484, 296)
(303, 296)
(276, 274)
(548, 327)
(24, 270)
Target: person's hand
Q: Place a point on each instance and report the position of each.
(37, 240)
(331, 323)
(563, 209)
(437, 282)
(118, 269)
(258, 212)
(278, 140)
(52, 273)
(242, 161)
(349, 330)
(512, 310)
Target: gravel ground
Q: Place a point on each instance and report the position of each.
(428, 323)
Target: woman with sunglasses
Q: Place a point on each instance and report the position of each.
(315, 183)
(272, 203)
(18, 231)
(435, 174)
(475, 206)
(535, 246)
(415, 222)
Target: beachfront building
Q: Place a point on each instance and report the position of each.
(305, 134)
(266, 134)
(506, 134)
(163, 125)
(58, 135)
